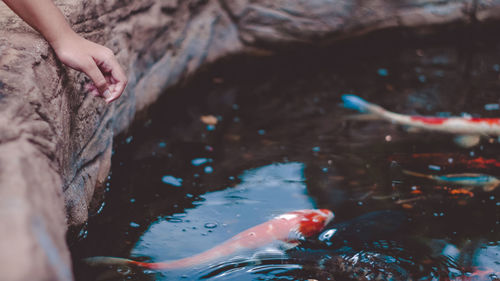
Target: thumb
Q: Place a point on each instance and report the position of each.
(95, 74)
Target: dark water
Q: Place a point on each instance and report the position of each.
(283, 142)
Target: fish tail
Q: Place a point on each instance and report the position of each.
(416, 174)
(100, 260)
(104, 261)
(356, 103)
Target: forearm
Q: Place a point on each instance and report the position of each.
(43, 16)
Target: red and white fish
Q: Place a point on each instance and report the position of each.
(469, 130)
(289, 227)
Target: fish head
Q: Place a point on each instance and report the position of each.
(313, 221)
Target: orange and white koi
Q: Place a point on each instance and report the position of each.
(487, 182)
(289, 227)
(468, 129)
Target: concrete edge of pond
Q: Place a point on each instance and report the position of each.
(56, 140)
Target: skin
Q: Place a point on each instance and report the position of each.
(96, 61)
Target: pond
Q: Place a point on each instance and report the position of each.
(251, 138)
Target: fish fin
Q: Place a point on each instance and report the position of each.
(295, 235)
(100, 260)
(413, 129)
(416, 174)
(467, 141)
(363, 117)
(355, 102)
(288, 245)
(490, 187)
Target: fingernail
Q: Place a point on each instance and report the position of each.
(106, 94)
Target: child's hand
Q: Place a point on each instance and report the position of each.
(98, 62)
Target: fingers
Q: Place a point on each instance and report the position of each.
(118, 79)
(113, 73)
(97, 77)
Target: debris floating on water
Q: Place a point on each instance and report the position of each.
(209, 119)
(434, 167)
(382, 72)
(208, 169)
(200, 161)
(492, 106)
(172, 180)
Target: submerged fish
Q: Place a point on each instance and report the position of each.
(446, 159)
(487, 182)
(468, 130)
(289, 227)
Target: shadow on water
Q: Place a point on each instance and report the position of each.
(282, 142)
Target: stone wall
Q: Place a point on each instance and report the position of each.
(56, 139)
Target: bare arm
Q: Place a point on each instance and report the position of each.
(98, 62)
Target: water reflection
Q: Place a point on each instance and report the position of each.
(262, 193)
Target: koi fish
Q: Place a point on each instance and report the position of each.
(447, 159)
(289, 227)
(487, 182)
(468, 129)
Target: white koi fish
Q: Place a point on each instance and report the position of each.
(468, 129)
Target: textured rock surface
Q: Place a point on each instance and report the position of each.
(56, 139)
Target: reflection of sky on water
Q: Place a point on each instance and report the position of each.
(263, 193)
(485, 257)
(488, 257)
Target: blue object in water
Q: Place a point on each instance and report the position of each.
(200, 161)
(492, 106)
(434, 167)
(208, 169)
(383, 72)
(172, 180)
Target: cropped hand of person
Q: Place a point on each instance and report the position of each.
(96, 61)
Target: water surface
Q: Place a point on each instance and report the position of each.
(282, 142)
